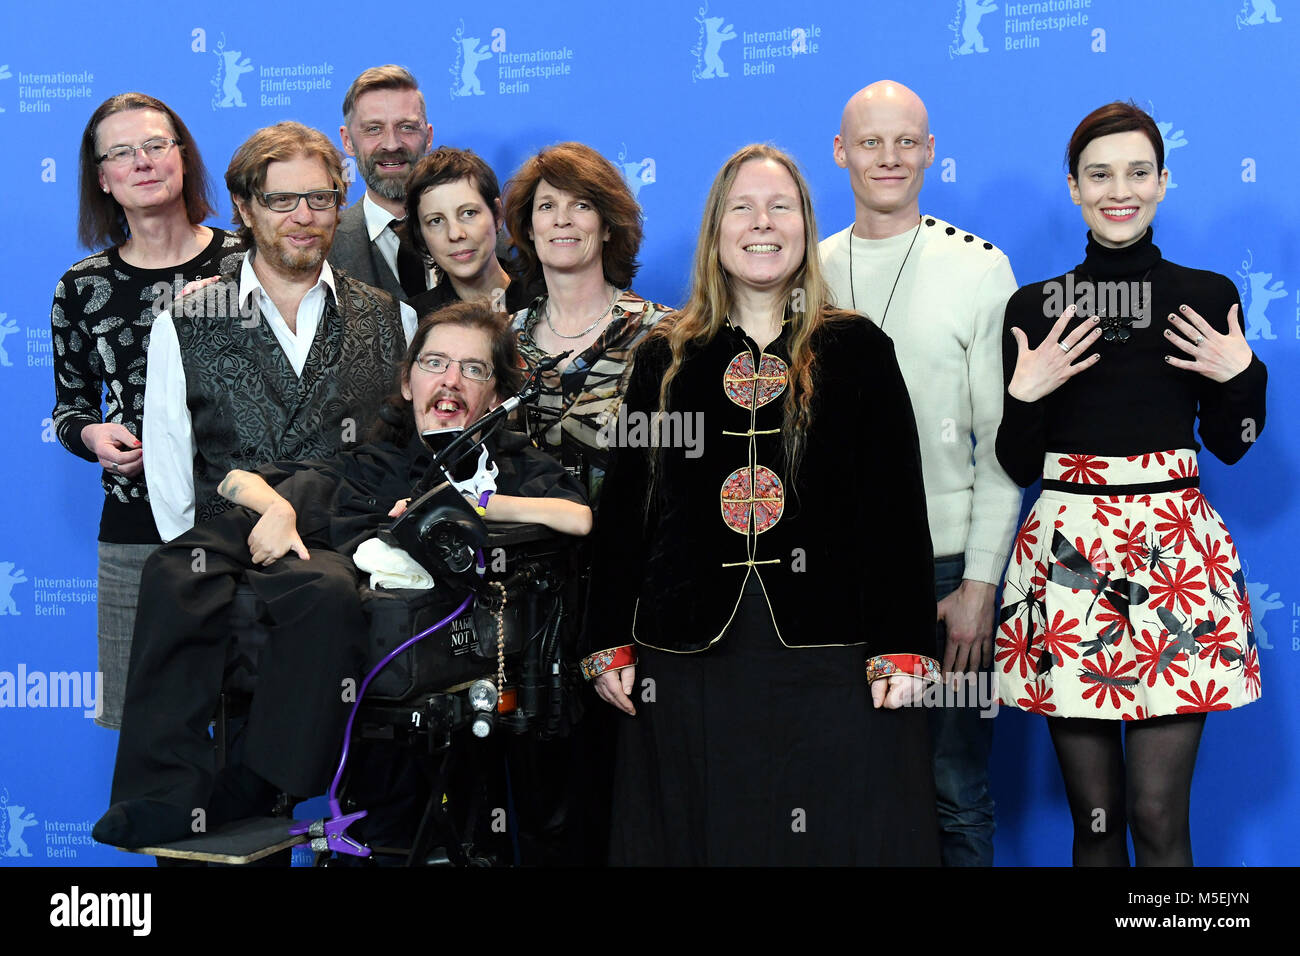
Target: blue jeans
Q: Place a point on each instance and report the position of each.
(962, 737)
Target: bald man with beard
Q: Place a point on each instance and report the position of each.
(939, 292)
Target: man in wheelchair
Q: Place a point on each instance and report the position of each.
(293, 542)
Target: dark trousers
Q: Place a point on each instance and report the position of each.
(963, 739)
(308, 674)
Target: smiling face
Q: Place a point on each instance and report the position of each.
(448, 399)
(566, 230)
(459, 229)
(387, 135)
(142, 183)
(1118, 187)
(885, 144)
(761, 237)
(291, 242)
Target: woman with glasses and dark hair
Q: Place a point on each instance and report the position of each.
(577, 229)
(1125, 604)
(144, 196)
(454, 201)
(762, 605)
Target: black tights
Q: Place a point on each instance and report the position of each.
(1144, 784)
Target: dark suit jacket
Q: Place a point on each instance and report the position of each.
(355, 254)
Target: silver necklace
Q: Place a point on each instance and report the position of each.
(547, 315)
(853, 293)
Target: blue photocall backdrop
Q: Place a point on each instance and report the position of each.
(668, 91)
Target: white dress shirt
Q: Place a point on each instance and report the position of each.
(378, 219)
(168, 438)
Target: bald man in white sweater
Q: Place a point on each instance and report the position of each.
(939, 292)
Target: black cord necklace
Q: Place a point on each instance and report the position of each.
(853, 293)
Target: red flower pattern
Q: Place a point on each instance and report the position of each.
(1251, 666)
(1114, 624)
(1176, 528)
(1132, 547)
(1106, 508)
(1198, 702)
(1026, 539)
(1213, 644)
(1176, 587)
(1159, 457)
(1038, 700)
(1217, 571)
(1108, 678)
(1016, 648)
(1117, 675)
(1150, 649)
(1083, 469)
(1058, 640)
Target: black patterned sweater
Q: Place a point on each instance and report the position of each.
(100, 320)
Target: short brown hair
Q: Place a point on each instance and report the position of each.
(387, 77)
(396, 422)
(1114, 117)
(580, 170)
(246, 174)
(446, 164)
(100, 220)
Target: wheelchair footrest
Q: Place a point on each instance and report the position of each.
(241, 841)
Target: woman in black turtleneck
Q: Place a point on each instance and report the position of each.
(1125, 599)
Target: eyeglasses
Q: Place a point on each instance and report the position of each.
(154, 150)
(472, 369)
(317, 199)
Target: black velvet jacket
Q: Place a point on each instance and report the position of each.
(849, 559)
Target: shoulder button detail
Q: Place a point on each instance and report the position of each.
(951, 230)
(968, 237)
(929, 222)
(988, 245)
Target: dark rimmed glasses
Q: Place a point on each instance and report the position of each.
(318, 199)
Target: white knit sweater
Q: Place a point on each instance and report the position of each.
(945, 319)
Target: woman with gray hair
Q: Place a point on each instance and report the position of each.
(144, 194)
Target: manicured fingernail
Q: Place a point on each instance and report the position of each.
(1182, 308)
(1172, 316)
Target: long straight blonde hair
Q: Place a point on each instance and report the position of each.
(712, 299)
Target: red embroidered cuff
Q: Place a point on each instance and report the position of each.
(918, 665)
(612, 659)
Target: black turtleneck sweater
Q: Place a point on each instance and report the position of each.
(1131, 401)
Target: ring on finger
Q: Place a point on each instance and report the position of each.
(1064, 348)
(1200, 339)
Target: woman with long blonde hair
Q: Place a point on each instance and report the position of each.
(762, 595)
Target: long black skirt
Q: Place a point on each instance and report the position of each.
(756, 754)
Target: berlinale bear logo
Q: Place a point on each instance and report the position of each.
(232, 64)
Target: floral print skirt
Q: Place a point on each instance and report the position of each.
(1125, 597)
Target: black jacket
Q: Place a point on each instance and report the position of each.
(848, 560)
